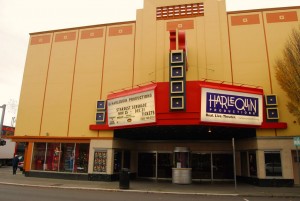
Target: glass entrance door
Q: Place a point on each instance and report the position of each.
(212, 166)
(201, 166)
(164, 165)
(155, 165)
(147, 165)
(222, 166)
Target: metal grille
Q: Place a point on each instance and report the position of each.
(180, 11)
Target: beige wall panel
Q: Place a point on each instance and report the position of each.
(148, 42)
(193, 146)
(192, 53)
(140, 73)
(118, 62)
(276, 44)
(246, 144)
(282, 145)
(32, 92)
(201, 51)
(101, 145)
(225, 54)
(287, 162)
(162, 52)
(217, 55)
(87, 85)
(249, 57)
(124, 144)
(107, 134)
(59, 87)
(265, 132)
(260, 159)
(163, 49)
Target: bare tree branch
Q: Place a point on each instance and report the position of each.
(288, 72)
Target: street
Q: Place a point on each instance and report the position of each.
(17, 193)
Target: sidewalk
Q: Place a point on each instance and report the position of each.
(146, 186)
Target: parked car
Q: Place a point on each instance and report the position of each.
(21, 163)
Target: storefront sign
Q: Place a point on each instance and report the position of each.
(230, 107)
(133, 109)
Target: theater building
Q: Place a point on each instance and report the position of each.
(185, 93)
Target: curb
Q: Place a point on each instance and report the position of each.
(149, 191)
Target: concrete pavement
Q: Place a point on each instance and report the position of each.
(146, 186)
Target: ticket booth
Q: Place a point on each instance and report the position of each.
(181, 172)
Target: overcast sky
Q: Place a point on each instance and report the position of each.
(18, 18)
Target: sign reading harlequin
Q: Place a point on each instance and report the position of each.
(133, 109)
(223, 106)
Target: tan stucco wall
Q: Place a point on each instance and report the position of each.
(63, 80)
(254, 50)
(34, 81)
(284, 145)
(207, 42)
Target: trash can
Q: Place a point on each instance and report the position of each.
(124, 178)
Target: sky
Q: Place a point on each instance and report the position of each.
(18, 18)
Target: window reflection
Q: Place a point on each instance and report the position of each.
(273, 164)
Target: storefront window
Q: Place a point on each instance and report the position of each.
(81, 158)
(38, 156)
(53, 155)
(252, 164)
(67, 157)
(62, 157)
(273, 164)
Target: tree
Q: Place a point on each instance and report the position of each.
(288, 72)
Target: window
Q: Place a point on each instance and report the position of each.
(81, 158)
(67, 157)
(38, 156)
(60, 157)
(252, 164)
(273, 163)
(53, 155)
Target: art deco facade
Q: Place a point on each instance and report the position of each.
(173, 90)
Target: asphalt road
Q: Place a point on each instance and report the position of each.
(23, 193)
